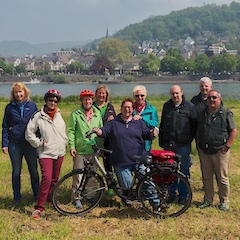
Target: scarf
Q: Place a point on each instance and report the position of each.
(140, 108)
(51, 113)
(89, 114)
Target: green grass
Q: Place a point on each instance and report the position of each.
(111, 220)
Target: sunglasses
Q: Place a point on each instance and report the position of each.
(52, 100)
(212, 97)
(139, 95)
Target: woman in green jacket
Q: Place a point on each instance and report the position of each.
(82, 121)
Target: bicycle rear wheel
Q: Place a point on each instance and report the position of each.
(82, 200)
(153, 193)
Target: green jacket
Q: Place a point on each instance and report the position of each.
(213, 131)
(78, 127)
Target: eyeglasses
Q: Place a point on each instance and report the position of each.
(139, 95)
(52, 100)
(126, 107)
(212, 97)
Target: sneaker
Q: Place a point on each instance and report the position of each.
(78, 204)
(205, 204)
(36, 214)
(182, 201)
(224, 206)
(157, 209)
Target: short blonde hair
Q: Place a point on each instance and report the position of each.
(17, 86)
(103, 86)
(139, 88)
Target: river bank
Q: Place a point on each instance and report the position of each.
(88, 79)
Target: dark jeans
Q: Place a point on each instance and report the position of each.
(16, 152)
(186, 163)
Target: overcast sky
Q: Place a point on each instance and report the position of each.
(41, 21)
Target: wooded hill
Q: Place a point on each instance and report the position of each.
(215, 21)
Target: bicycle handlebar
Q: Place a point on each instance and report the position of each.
(89, 134)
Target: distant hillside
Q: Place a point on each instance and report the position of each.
(218, 20)
(21, 48)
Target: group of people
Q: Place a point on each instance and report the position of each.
(41, 136)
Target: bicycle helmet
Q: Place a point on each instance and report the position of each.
(86, 92)
(52, 93)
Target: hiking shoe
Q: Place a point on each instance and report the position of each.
(224, 207)
(16, 203)
(91, 200)
(182, 201)
(36, 214)
(171, 199)
(78, 204)
(205, 204)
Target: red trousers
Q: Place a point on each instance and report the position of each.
(50, 169)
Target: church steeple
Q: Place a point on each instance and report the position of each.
(107, 32)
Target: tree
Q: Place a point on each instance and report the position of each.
(75, 67)
(150, 64)
(202, 63)
(224, 63)
(115, 50)
(21, 68)
(190, 65)
(173, 62)
(100, 65)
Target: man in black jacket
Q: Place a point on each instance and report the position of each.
(200, 100)
(177, 130)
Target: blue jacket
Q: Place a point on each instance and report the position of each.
(126, 140)
(150, 117)
(15, 120)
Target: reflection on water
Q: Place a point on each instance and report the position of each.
(228, 90)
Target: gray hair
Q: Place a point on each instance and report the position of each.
(213, 90)
(139, 88)
(206, 80)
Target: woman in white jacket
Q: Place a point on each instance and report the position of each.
(46, 131)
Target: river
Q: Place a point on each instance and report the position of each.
(228, 90)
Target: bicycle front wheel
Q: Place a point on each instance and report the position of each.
(154, 192)
(80, 198)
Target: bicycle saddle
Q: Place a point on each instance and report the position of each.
(145, 159)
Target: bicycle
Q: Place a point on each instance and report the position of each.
(149, 190)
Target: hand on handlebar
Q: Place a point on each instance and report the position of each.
(98, 131)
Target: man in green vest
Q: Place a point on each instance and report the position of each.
(216, 133)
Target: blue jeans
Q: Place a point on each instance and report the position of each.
(186, 163)
(16, 152)
(124, 176)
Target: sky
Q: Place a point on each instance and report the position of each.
(43, 21)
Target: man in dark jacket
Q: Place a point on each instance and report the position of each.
(177, 130)
(200, 100)
(216, 133)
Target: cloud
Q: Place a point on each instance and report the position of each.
(38, 21)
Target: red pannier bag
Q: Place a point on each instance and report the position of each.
(166, 159)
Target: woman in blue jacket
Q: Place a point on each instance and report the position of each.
(16, 117)
(145, 111)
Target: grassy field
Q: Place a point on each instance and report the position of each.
(111, 220)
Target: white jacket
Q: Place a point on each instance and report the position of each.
(41, 127)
